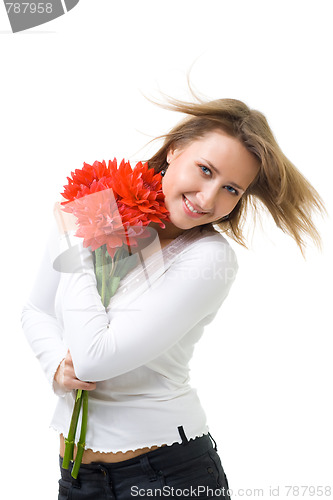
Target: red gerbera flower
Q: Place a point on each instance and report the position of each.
(82, 179)
(140, 189)
(103, 221)
(113, 204)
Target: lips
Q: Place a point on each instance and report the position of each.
(191, 210)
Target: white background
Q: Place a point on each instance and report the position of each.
(72, 91)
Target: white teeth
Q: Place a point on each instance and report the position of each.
(187, 203)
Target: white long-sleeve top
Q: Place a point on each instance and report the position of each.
(138, 348)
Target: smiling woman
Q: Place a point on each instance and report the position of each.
(147, 429)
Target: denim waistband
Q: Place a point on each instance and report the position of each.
(174, 454)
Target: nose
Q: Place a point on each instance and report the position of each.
(207, 198)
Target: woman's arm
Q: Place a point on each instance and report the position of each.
(42, 328)
(190, 290)
(39, 323)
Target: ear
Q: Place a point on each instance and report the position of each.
(172, 154)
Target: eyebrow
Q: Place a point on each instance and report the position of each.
(233, 184)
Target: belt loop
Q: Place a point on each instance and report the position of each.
(182, 435)
(211, 437)
(144, 462)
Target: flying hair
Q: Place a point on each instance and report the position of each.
(279, 186)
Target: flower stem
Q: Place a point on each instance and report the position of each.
(98, 267)
(106, 285)
(103, 290)
(69, 442)
(82, 441)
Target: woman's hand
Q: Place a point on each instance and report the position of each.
(66, 378)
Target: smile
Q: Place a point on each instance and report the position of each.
(191, 208)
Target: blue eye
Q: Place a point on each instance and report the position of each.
(231, 190)
(205, 170)
(207, 173)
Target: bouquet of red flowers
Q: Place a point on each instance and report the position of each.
(112, 205)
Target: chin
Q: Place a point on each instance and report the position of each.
(184, 225)
(182, 222)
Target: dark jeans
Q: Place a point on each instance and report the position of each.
(191, 469)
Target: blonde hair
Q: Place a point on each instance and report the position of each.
(279, 186)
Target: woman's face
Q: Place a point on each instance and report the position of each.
(206, 179)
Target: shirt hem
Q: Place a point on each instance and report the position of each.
(139, 447)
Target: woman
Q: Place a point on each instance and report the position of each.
(147, 433)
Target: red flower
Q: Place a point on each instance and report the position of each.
(103, 221)
(140, 189)
(121, 202)
(82, 179)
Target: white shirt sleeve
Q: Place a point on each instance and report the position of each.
(106, 345)
(39, 322)
(191, 289)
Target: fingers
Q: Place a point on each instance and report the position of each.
(75, 383)
(70, 381)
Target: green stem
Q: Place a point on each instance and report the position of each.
(82, 441)
(103, 290)
(98, 267)
(69, 442)
(104, 285)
